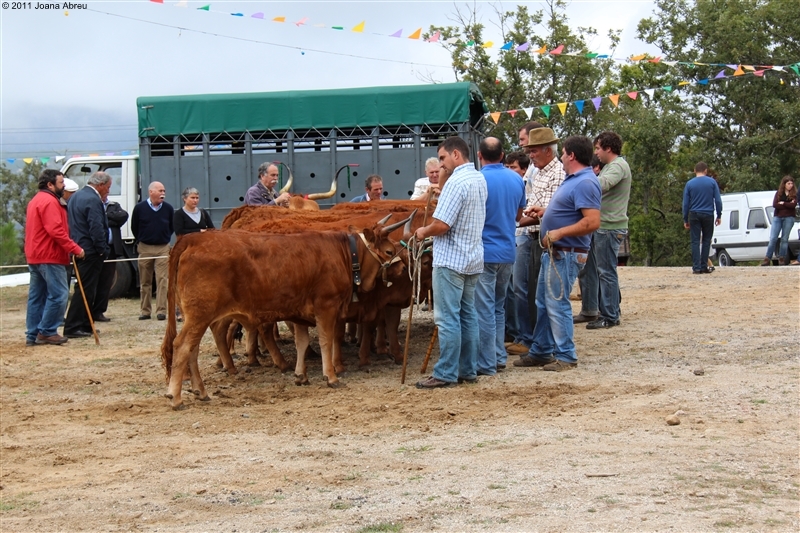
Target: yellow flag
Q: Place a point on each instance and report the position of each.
(416, 34)
(359, 28)
(495, 116)
(614, 99)
(487, 45)
(563, 108)
(542, 50)
(279, 19)
(29, 160)
(683, 83)
(638, 58)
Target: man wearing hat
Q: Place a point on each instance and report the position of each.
(542, 148)
(70, 188)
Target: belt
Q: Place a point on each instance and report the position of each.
(575, 250)
(534, 234)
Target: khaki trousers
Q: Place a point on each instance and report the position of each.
(146, 266)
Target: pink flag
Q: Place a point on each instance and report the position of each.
(557, 50)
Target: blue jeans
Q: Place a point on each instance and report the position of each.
(782, 226)
(47, 300)
(490, 298)
(599, 281)
(454, 314)
(554, 331)
(700, 223)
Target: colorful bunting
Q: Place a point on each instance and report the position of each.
(638, 58)
(614, 99)
(596, 101)
(523, 47)
(495, 116)
(542, 50)
(512, 112)
(157, 1)
(29, 160)
(720, 74)
(650, 93)
(259, 16)
(301, 22)
(704, 81)
(562, 106)
(359, 28)
(279, 19)
(579, 106)
(435, 38)
(416, 34)
(557, 50)
(632, 95)
(204, 8)
(529, 111)
(739, 71)
(667, 88)
(398, 33)
(546, 110)
(507, 46)
(487, 45)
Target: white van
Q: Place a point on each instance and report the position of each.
(744, 232)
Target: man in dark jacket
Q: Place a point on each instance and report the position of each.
(116, 217)
(89, 228)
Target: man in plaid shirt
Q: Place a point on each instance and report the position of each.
(457, 229)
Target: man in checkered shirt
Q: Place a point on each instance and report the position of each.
(457, 229)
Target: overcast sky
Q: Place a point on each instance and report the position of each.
(70, 78)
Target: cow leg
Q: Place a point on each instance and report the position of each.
(301, 343)
(364, 351)
(252, 345)
(392, 322)
(272, 347)
(220, 330)
(351, 333)
(338, 363)
(326, 328)
(186, 344)
(198, 387)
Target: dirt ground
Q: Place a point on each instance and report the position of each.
(89, 443)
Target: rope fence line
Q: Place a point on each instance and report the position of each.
(106, 261)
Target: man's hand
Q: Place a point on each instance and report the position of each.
(82, 254)
(686, 225)
(534, 211)
(550, 237)
(283, 199)
(718, 222)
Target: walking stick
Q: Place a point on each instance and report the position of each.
(430, 349)
(88, 311)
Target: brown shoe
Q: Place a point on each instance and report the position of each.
(581, 318)
(52, 339)
(527, 360)
(765, 262)
(559, 366)
(433, 383)
(517, 349)
(782, 261)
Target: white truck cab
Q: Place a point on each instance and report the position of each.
(744, 232)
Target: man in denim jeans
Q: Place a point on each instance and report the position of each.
(572, 215)
(600, 283)
(47, 249)
(457, 263)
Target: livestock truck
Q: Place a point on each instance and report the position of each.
(215, 143)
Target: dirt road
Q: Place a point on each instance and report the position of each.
(89, 443)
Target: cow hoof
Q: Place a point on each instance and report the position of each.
(339, 369)
(168, 395)
(335, 384)
(205, 398)
(219, 363)
(301, 380)
(179, 407)
(253, 363)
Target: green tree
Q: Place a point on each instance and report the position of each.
(10, 248)
(16, 190)
(749, 130)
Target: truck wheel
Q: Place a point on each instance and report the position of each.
(725, 259)
(122, 280)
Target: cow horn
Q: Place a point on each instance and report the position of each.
(330, 193)
(407, 229)
(388, 229)
(291, 178)
(385, 219)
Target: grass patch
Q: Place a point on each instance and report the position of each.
(418, 449)
(725, 523)
(382, 527)
(759, 401)
(495, 486)
(101, 361)
(415, 478)
(180, 495)
(18, 502)
(341, 505)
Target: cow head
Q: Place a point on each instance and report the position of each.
(387, 262)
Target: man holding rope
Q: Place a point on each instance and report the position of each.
(572, 215)
(457, 263)
(47, 249)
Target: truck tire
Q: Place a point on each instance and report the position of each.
(123, 278)
(725, 259)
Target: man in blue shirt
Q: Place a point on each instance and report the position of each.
(572, 215)
(374, 190)
(700, 196)
(457, 262)
(506, 199)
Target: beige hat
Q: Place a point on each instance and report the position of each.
(69, 185)
(541, 137)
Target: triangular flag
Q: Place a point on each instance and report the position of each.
(546, 110)
(563, 108)
(155, 2)
(639, 57)
(46, 159)
(579, 106)
(796, 69)
(204, 8)
(667, 88)
(670, 63)
(488, 45)
(29, 160)
(416, 34)
(301, 22)
(60, 158)
(398, 33)
(337, 27)
(650, 92)
(596, 101)
(775, 68)
(495, 116)
(542, 50)
(591, 55)
(655, 60)
(749, 67)
(632, 95)
(704, 81)
(451, 40)
(507, 46)
(359, 28)
(604, 56)
(512, 112)
(614, 99)
(528, 111)
(684, 82)
(435, 38)
(471, 43)
(257, 16)
(738, 72)
(279, 19)
(182, 3)
(11, 161)
(237, 14)
(523, 47)
(758, 73)
(732, 67)
(720, 74)
(557, 50)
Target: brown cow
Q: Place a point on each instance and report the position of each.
(256, 279)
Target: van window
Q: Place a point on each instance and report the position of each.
(734, 220)
(756, 219)
(81, 172)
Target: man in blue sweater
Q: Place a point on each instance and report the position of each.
(151, 224)
(700, 197)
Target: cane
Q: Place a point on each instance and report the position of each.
(430, 349)
(88, 311)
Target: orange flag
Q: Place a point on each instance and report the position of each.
(416, 34)
(614, 99)
(639, 57)
(739, 71)
(542, 50)
(495, 116)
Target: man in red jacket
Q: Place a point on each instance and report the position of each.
(47, 249)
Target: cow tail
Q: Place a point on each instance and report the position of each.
(167, 345)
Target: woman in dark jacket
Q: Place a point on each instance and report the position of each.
(784, 203)
(190, 218)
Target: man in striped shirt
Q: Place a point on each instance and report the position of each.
(457, 228)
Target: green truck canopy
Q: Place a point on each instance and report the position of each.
(364, 107)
